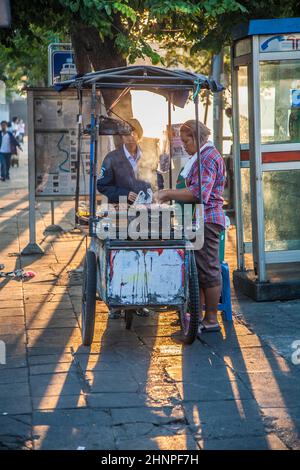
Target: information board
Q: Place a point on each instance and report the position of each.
(53, 128)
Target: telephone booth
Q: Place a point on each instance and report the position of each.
(266, 123)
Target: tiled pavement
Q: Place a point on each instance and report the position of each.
(139, 389)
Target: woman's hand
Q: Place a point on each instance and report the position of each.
(132, 196)
(162, 195)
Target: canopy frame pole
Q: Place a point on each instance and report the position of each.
(170, 141)
(118, 99)
(79, 138)
(93, 150)
(198, 148)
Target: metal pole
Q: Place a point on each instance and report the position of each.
(52, 212)
(170, 140)
(32, 247)
(237, 167)
(218, 103)
(92, 157)
(198, 147)
(79, 137)
(257, 197)
(50, 65)
(95, 165)
(53, 227)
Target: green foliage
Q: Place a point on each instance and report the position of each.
(214, 8)
(184, 27)
(24, 60)
(163, 8)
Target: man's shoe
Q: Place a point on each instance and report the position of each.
(114, 314)
(2, 179)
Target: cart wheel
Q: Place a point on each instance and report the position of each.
(189, 314)
(128, 319)
(88, 298)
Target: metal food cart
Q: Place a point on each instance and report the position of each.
(129, 273)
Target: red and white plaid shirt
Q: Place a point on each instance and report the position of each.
(213, 176)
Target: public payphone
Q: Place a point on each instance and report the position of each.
(266, 117)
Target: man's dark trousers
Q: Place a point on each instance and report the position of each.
(5, 159)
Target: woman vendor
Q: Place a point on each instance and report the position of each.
(187, 190)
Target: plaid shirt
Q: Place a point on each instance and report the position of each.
(213, 175)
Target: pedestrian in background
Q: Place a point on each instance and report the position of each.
(14, 125)
(8, 147)
(21, 131)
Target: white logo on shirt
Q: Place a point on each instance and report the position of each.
(102, 172)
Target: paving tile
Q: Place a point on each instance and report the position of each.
(14, 404)
(12, 321)
(91, 437)
(15, 360)
(11, 304)
(58, 402)
(56, 384)
(149, 437)
(268, 442)
(49, 359)
(157, 416)
(13, 390)
(225, 419)
(109, 381)
(72, 417)
(286, 423)
(51, 322)
(213, 389)
(15, 432)
(11, 312)
(283, 389)
(11, 375)
(12, 329)
(129, 400)
(256, 360)
(53, 337)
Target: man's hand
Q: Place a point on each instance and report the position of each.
(132, 196)
(161, 196)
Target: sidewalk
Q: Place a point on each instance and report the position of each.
(139, 389)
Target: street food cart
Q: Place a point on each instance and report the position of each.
(149, 271)
(266, 118)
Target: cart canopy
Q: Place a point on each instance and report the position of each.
(173, 84)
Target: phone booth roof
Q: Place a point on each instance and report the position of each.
(263, 27)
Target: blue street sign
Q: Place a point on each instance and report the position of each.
(295, 98)
(63, 66)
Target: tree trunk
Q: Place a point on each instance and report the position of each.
(92, 53)
(82, 61)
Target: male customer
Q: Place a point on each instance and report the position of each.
(120, 177)
(8, 147)
(120, 168)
